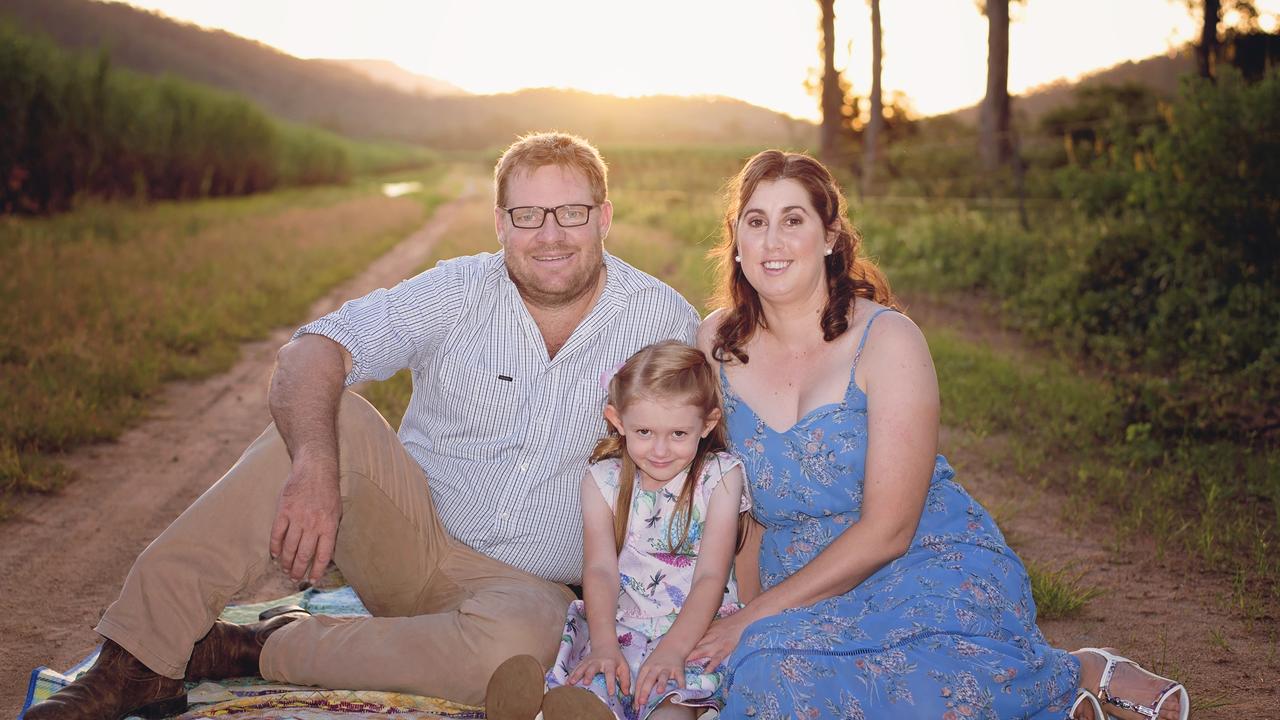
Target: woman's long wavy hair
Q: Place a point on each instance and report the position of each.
(668, 371)
(849, 275)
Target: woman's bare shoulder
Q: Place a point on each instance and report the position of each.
(895, 350)
(894, 332)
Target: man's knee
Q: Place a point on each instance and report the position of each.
(534, 627)
(356, 412)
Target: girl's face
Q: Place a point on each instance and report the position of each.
(782, 242)
(662, 434)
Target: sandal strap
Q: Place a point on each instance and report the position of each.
(1143, 710)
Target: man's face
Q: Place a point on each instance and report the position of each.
(552, 265)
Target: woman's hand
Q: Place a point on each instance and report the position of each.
(608, 661)
(718, 643)
(661, 667)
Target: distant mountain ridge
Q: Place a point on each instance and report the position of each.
(341, 98)
(394, 76)
(1161, 74)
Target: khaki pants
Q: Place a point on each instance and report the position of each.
(444, 615)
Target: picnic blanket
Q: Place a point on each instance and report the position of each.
(244, 698)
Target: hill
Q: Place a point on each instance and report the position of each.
(392, 75)
(338, 97)
(1160, 73)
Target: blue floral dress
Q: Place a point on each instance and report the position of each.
(946, 631)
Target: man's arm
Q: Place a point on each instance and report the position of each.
(306, 388)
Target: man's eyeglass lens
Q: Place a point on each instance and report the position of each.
(534, 217)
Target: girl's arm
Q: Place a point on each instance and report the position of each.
(902, 397)
(600, 585)
(710, 574)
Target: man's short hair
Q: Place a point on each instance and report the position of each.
(536, 150)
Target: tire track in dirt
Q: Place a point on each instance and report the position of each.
(64, 557)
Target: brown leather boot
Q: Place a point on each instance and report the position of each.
(118, 685)
(231, 650)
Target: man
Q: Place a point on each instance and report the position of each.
(461, 534)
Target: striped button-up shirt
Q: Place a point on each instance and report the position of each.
(501, 430)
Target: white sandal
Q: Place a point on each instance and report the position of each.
(1086, 698)
(1173, 689)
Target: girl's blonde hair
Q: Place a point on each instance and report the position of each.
(668, 370)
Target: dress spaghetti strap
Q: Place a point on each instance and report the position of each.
(865, 332)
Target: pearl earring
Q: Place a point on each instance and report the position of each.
(829, 250)
(737, 258)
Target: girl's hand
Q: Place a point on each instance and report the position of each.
(718, 643)
(657, 671)
(608, 661)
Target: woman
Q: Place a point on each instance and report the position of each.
(886, 591)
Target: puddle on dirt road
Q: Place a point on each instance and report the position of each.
(400, 188)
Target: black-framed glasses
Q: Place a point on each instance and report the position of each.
(531, 217)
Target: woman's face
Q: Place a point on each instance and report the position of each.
(782, 242)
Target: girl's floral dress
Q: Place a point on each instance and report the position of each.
(946, 631)
(654, 582)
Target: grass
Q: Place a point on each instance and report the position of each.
(1059, 592)
(1216, 500)
(110, 301)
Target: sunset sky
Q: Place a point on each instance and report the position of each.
(756, 50)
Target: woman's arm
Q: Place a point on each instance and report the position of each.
(600, 590)
(746, 565)
(902, 397)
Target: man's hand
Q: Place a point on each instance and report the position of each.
(306, 526)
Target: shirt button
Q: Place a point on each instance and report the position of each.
(524, 467)
(504, 516)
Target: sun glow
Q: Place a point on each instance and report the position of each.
(759, 51)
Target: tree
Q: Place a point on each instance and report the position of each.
(832, 96)
(875, 126)
(994, 120)
(1211, 12)
(1207, 50)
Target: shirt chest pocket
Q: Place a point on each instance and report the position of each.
(480, 412)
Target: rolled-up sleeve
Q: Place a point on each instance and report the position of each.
(391, 329)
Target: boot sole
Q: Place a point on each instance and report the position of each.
(160, 708)
(574, 703)
(515, 690)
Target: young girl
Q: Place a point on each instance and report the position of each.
(661, 503)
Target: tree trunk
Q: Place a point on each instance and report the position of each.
(993, 128)
(1207, 50)
(832, 98)
(875, 128)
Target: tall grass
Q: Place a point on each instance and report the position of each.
(1215, 498)
(72, 125)
(106, 303)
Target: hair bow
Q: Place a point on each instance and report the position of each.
(607, 376)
